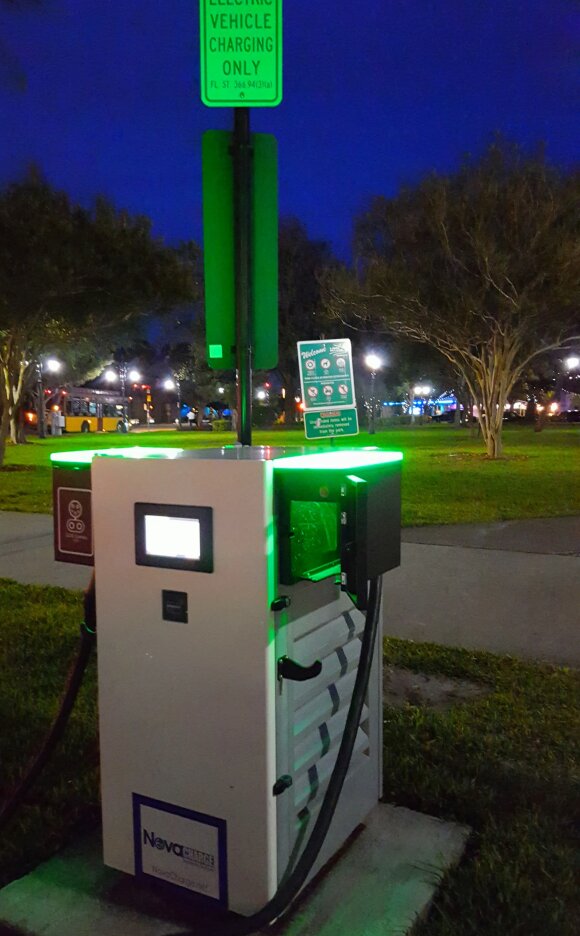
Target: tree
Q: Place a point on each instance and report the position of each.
(484, 265)
(70, 277)
(410, 364)
(177, 343)
(302, 315)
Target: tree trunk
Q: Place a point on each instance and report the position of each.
(4, 429)
(11, 399)
(541, 414)
(14, 433)
(490, 420)
(17, 432)
(494, 446)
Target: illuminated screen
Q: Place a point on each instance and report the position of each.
(314, 543)
(172, 537)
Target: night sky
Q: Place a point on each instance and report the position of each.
(104, 96)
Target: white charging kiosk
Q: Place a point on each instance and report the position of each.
(228, 646)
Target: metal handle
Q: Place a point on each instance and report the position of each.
(290, 669)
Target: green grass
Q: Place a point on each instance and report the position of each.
(446, 479)
(38, 638)
(508, 765)
(505, 763)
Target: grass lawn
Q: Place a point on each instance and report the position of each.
(505, 763)
(446, 479)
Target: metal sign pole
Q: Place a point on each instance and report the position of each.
(242, 157)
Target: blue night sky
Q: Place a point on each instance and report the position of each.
(104, 96)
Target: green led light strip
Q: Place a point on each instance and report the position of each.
(342, 460)
(136, 452)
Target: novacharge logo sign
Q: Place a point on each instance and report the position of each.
(180, 846)
(191, 855)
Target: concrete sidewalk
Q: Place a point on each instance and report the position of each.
(27, 552)
(510, 587)
(506, 587)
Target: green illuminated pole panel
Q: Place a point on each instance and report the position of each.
(241, 53)
(219, 253)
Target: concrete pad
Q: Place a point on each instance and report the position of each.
(524, 604)
(379, 886)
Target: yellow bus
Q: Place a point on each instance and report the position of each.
(87, 410)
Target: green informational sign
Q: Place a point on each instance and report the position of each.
(241, 52)
(330, 423)
(326, 374)
(327, 386)
(218, 237)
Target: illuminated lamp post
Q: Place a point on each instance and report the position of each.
(422, 391)
(52, 366)
(134, 376)
(374, 363)
(172, 383)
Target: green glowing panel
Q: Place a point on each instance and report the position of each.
(241, 53)
(218, 249)
(219, 255)
(343, 460)
(315, 526)
(77, 459)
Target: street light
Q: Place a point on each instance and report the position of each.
(374, 363)
(172, 383)
(111, 376)
(420, 390)
(52, 365)
(572, 362)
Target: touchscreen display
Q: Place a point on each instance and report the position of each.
(172, 537)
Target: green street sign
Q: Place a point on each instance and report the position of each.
(331, 423)
(327, 386)
(241, 53)
(326, 374)
(218, 250)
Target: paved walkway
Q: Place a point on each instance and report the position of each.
(507, 587)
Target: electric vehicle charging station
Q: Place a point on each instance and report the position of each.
(230, 585)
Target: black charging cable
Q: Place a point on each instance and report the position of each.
(71, 690)
(294, 880)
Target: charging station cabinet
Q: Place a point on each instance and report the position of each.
(229, 584)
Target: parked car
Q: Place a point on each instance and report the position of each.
(447, 417)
